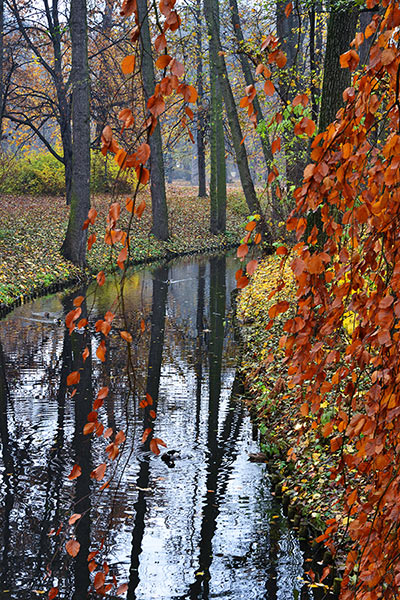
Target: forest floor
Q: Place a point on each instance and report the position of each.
(32, 230)
(297, 453)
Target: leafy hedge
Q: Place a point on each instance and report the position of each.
(40, 173)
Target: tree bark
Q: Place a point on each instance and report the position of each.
(74, 246)
(200, 117)
(248, 76)
(157, 175)
(217, 155)
(341, 31)
(211, 13)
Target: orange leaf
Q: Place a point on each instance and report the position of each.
(276, 145)
(72, 547)
(160, 43)
(128, 64)
(140, 209)
(129, 205)
(143, 153)
(282, 251)
(53, 593)
(288, 9)
(91, 240)
(257, 238)
(78, 300)
(108, 432)
(163, 61)
(99, 580)
(242, 282)
(121, 589)
(143, 175)
(146, 434)
(99, 472)
(149, 400)
(242, 250)
(126, 336)
(89, 428)
(102, 393)
(76, 472)
(304, 409)
(101, 351)
(154, 447)
(74, 518)
(152, 414)
(101, 278)
(73, 378)
(251, 266)
(120, 437)
(114, 211)
(85, 353)
(269, 88)
(251, 225)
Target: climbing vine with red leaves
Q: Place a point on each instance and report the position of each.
(353, 187)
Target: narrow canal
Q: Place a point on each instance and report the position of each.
(200, 523)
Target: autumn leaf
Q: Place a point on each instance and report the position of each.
(74, 518)
(99, 581)
(53, 593)
(72, 547)
(73, 378)
(163, 61)
(99, 472)
(76, 472)
(121, 589)
(126, 336)
(101, 351)
(128, 65)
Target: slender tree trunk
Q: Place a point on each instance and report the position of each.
(2, 98)
(74, 246)
(248, 76)
(218, 164)
(200, 117)
(62, 99)
(211, 13)
(158, 195)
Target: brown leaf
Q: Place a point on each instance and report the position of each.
(72, 547)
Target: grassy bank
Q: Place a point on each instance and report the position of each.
(32, 230)
(298, 455)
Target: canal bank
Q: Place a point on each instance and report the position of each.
(32, 230)
(297, 454)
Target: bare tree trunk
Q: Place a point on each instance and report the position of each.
(200, 117)
(157, 175)
(74, 246)
(341, 31)
(211, 13)
(248, 76)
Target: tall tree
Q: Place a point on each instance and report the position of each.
(74, 246)
(217, 148)
(44, 38)
(200, 117)
(212, 16)
(248, 76)
(157, 176)
(341, 31)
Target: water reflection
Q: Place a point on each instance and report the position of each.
(199, 524)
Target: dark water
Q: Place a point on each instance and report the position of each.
(207, 527)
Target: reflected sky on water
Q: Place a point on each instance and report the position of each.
(201, 523)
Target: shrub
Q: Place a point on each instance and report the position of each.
(40, 173)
